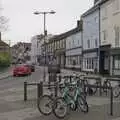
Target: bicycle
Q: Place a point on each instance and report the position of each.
(116, 90)
(98, 83)
(45, 102)
(62, 104)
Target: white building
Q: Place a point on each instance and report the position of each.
(41, 52)
(74, 48)
(36, 50)
(110, 37)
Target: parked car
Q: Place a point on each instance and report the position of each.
(21, 69)
(31, 66)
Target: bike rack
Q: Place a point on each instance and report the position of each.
(111, 95)
(97, 79)
(39, 89)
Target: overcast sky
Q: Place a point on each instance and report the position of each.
(23, 24)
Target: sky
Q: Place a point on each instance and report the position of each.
(23, 24)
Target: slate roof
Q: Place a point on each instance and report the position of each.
(66, 34)
(94, 8)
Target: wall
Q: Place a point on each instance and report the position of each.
(91, 30)
(109, 21)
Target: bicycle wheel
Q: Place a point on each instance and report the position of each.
(95, 89)
(116, 91)
(45, 104)
(106, 84)
(60, 108)
(82, 104)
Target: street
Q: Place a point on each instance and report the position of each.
(13, 107)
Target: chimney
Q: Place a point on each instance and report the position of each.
(79, 23)
(45, 32)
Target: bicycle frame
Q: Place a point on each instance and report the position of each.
(71, 100)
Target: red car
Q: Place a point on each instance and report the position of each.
(21, 70)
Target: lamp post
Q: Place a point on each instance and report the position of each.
(44, 14)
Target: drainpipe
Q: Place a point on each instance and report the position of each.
(82, 46)
(99, 43)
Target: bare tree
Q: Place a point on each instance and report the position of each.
(3, 23)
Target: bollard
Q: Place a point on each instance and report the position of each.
(111, 102)
(25, 91)
(100, 90)
(39, 89)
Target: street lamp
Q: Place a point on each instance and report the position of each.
(44, 13)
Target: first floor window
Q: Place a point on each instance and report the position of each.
(116, 28)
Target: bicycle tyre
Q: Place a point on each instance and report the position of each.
(56, 101)
(82, 101)
(95, 89)
(106, 84)
(40, 107)
(116, 91)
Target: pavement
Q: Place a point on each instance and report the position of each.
(13, 106)
(6, 73)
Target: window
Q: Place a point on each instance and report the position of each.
(96, 42)
(73, 44)
(116, 36)
(104, 35)
(55, 45)
(106, 62)
(69, 44)
(78, 42)
(96, 19)
(117, 62)
(104, 13)
(88, 43)
(116, 5)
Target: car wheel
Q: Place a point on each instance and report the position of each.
(14, 75)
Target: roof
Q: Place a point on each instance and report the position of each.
(103, 1)
(91, 10)
(21, 43)
(2, 43)
(94, 8)
(66, 34)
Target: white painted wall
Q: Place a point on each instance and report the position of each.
(73, 48)
(73, 41)
(110, 17)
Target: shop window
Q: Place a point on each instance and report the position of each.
(117, 62)
(96, 44)
(106, 63)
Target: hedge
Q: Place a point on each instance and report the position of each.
(4, 59)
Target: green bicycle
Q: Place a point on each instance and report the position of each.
(62, 104)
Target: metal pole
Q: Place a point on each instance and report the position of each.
(44, 46)
(25, 91)
(111, 102)
(39, 90)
